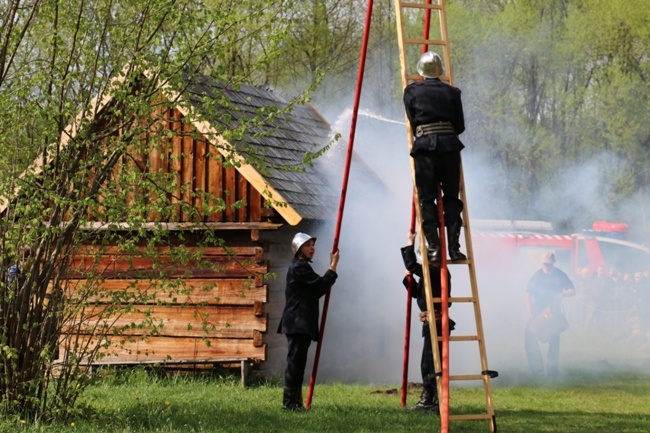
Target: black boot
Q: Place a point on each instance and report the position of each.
(453, 238)
(428, 402)
(433, 244)
(292, 399)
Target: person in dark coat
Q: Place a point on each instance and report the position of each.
(435, 113)
(299, 320)
(16, 273)
(546, 289)
(429, 397)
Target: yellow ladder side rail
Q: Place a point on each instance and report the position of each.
(477, 304)
(423, 248)
(446, 50)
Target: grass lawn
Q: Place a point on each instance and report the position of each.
(146, 403)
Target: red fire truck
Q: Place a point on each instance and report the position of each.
(521, 244)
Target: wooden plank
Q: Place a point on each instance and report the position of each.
(180, 226)
(167, 349)
(154, 156)
(196, 291)
(199, 174)
(187, 174)
(242, 194)
(174, 321)
(254, 204)
(175, 162)
(230, 193)
(92, 250)
(147, 267)
(215, 185)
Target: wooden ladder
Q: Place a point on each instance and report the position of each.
(409, 15)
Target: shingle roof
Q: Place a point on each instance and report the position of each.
(281, 142)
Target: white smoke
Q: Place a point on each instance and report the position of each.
(364, 335)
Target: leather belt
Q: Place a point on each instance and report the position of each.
(434, 128)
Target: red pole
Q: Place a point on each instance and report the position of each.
(407, 329)
(346, 173)
(444, 299)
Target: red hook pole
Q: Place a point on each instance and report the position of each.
(444, 300)
(344, 188)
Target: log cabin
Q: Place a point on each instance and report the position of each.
(226, 313)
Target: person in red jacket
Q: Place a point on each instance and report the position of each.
(435, 113)
(301, 310)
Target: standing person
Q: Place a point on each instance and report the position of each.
(435, 113)
(301, 310)
(429, 397)
(546, 289)
(16, 271)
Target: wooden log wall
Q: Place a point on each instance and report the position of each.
(217, 316)
(175, 147)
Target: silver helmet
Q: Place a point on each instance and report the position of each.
(430, 65)
(298, 241)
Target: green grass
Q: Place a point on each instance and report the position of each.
(146, 403)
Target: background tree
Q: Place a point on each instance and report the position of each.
(550, 86)
(60, 152)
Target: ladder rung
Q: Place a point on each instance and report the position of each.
(466, 377)
(463, 338)
(421, 5)
(458, 262)
(459, 299)
(421, 41)
(486, 416)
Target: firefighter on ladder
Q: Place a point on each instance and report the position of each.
(435, 112)
(429, 397)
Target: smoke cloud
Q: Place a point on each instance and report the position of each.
(364, 335)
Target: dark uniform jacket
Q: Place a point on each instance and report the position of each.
(431, 101)
(544, 287)
(304, 288)
(412, 265)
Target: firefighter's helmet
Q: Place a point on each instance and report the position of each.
(298, 241)
(430, 65)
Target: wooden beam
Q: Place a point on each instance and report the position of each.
(96, 226)
(168, 349)
(242, 292)
(173, 321)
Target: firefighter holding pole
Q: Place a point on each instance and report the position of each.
(299, 321)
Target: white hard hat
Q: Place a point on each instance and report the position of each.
(299, 240)
(430, 65)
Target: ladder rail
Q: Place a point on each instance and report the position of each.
(485, 374)
(433, 331)
(475, 294)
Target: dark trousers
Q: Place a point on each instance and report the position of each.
(432, 168)
(296, 360)
(427, 368)
(534, 353)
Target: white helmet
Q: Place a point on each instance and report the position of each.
(430, 65)
(298, 241)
